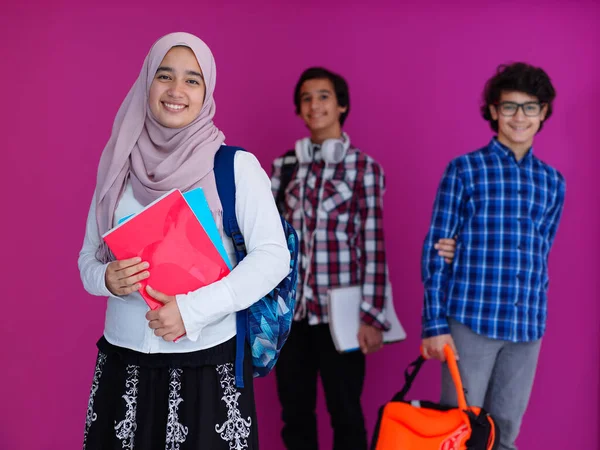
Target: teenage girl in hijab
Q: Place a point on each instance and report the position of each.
(149, 392)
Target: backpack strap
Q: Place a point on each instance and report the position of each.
(288, 167)
(225, 179)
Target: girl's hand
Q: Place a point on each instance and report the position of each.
(123, 277)
(166, 321)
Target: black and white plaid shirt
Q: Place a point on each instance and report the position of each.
(348, 242)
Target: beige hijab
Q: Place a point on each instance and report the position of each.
(157, 159)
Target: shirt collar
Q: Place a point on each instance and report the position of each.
(316, 149)
(496, 146)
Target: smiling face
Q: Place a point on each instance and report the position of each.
(517, 131)
(319, 109)
(177, 91)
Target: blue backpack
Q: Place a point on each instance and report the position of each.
(266, 324)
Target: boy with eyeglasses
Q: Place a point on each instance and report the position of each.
(505, 205)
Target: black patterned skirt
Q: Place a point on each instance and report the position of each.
(170, 401)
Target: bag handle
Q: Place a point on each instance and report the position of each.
(455, 374)
(410, 375)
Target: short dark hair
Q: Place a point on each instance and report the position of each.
(517, 77)
(340, 87)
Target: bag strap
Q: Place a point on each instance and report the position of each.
(290, 163)
(225, 180)
(410, 375)
(409, 378)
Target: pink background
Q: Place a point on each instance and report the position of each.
(416, 71)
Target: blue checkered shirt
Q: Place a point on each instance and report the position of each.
(505, 214)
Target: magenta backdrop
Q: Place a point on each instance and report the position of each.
(416, 70)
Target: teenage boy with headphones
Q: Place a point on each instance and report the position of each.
(332, 193)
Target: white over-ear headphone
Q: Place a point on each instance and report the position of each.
(333, 150)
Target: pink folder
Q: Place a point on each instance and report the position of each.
(170, 238)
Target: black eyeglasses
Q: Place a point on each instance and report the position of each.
(530, 109)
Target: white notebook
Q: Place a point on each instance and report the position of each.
(344, 318)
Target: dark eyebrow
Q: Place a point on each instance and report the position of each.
(188, 72)
(322, 91)
(194, 74)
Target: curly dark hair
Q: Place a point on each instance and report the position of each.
(519, 77)
(339, 86)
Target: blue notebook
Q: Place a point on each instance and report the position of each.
(199, 205)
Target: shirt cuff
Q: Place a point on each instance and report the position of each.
(435, 327)
(204, 306)
(370, 315)
(104, 291)
(193, 328)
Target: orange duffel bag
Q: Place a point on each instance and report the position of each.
(422, 425)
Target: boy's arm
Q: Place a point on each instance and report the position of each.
(555, 211)
(445, 222)
(374, 278)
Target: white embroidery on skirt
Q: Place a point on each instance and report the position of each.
(176, 432)
(91, 416)
(125, 429)
(235, 430)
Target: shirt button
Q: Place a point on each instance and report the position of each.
(519, 277)
(519, 192)
(519, 247)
